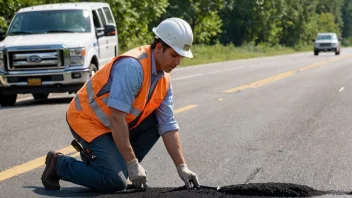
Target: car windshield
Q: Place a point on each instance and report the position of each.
(53, 21)
(324, 37)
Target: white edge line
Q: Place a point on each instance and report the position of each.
(235, 68)
(191, 76)
(342, 88)
(213, 72)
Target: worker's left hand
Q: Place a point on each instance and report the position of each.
(188, 176)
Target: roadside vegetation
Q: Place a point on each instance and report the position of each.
(223, 29)
(203, 54)
(219, 53)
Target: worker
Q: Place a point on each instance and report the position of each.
(120, 113)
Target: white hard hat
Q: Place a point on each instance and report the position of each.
(177, 34)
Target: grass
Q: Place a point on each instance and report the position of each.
(203, 54)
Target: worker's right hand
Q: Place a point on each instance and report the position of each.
(137, 174)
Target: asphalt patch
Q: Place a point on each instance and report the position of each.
(254, 190)
(273, 190)
(242, 190)
(172, 192)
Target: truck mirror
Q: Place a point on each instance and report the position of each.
(313, 40)
(109, 30)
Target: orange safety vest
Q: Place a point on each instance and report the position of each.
(88, 113)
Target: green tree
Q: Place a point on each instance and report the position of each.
(334, 8)
(326, 23)
(287, 22)
(346, 12)
(299, 22)
(9, 8)
(257, 21)
(202, 15)
(266, 21)
(133, 17)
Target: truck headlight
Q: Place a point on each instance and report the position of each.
(77, 56)
(1, 61)
(333, 44)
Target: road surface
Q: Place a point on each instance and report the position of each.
(281, 120)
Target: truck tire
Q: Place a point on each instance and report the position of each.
(40, 96)
(93, 69)
(337, 52)
(316, 53)
(8, 100)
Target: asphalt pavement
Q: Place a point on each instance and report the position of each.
(264, 127)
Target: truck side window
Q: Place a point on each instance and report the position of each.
(108, 15)
(102, 17)
(96, 19)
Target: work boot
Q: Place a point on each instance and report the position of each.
(50, 179)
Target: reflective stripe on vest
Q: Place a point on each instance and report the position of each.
(95, 107)
(152, 87)
(143, 55)
(78, 103)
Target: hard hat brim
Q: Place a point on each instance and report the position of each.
(182, 52)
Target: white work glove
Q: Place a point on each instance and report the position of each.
(188, 176)
(137, 174)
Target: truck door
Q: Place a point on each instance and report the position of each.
(110, 44)
(101, 44)
(112, 40)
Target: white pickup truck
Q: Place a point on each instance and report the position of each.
(55, 48)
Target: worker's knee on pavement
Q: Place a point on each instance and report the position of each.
(115, 182)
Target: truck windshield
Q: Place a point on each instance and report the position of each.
(324, 37)
(51, 21)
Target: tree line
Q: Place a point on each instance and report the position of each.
(291, 23)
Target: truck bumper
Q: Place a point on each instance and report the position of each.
(325, 49)
(48, 82)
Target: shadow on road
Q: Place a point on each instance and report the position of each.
(33, 102)
(66, 192)
(241, 190)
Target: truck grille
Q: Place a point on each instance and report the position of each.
(36, 58)
(325, 44)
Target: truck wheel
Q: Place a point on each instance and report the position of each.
(93, 69)
(40, 96)
(316, 53)
(8, 100)
(337, 52)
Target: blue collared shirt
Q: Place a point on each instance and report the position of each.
(126, 78)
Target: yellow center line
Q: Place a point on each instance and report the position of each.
(283, 75)
(36, 163)
(30, 165)
(185, 108)
(271, 79)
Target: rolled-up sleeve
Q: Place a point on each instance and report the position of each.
(127, 79)
(165, 114)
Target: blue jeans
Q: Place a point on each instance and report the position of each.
(108, 172)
